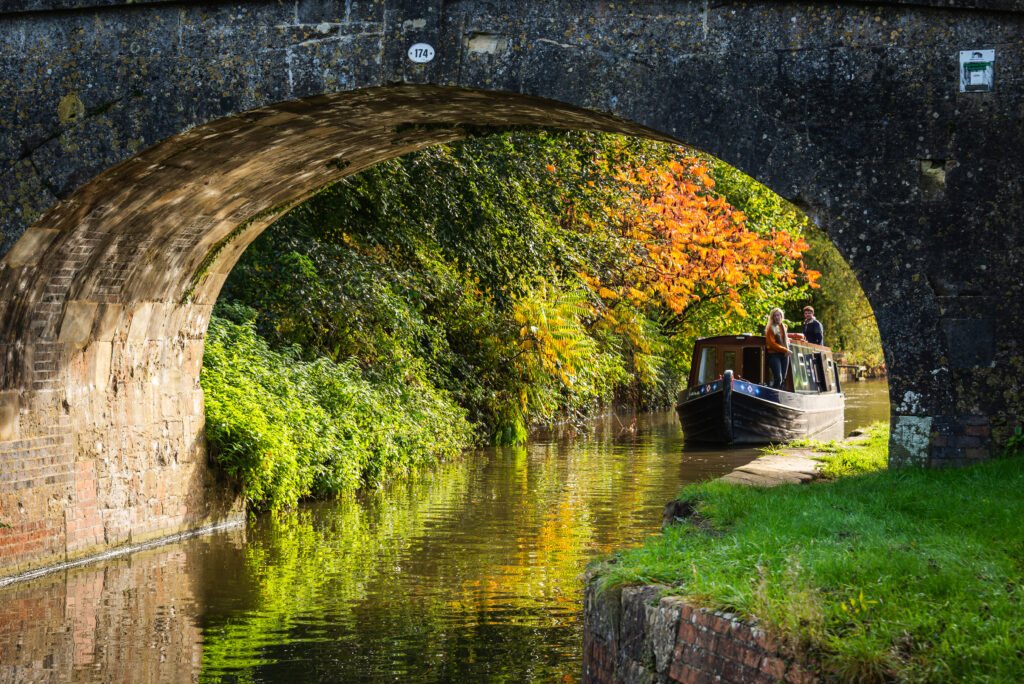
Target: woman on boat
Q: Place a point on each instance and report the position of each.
(777, 345)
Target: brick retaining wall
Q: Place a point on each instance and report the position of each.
(636, 635)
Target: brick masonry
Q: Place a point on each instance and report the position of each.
(144, 145)
(637, 636)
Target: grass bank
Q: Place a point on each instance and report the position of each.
(915, 575)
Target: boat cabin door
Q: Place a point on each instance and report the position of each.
(819, 373)
(753, 365)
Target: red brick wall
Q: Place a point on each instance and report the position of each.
(115, 458)
(635, 635)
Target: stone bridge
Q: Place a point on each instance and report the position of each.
(144, 144)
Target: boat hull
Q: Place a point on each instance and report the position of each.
(739, 412)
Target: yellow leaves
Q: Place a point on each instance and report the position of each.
(856, 604)
(553, 342)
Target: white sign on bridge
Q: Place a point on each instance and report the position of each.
(977, 70)
(421, 52)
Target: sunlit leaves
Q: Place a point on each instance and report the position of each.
(682, 243)
(534, 276)
(288, 429)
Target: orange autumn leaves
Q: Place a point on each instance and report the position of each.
(683, 244)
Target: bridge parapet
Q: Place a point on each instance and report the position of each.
(15, 6)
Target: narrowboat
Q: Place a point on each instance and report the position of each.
(728, 399)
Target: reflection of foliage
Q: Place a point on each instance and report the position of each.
(325, 555)
(287, 428)
(466, 572)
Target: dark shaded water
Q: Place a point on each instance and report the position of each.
(469, 573)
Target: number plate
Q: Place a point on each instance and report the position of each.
(421, 53)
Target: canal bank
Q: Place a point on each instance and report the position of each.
(873, 576)
(467, 572)
(644, 633)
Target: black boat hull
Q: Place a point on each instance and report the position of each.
(739, 412)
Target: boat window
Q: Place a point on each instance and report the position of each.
(800, 379)
(752, 365)
(730, 362)
(706, 369)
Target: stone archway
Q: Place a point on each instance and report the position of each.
(116, 283)
(138, 163)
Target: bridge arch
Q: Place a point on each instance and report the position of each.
(133, 180)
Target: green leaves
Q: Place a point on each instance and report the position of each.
(521, 273)
(288, 429)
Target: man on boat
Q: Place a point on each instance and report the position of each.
(813, 331)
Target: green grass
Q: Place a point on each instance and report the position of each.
(843, 459)
(915, 575)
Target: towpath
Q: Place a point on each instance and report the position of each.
(791, 465)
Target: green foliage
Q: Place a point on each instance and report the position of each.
(556, 363)
(840, 304)
(1015, 444)
(478, 270)
(286, 428)
(884, 576)
(428, 259)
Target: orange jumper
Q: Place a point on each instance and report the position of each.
(772, 341)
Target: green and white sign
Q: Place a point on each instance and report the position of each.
(977, 70)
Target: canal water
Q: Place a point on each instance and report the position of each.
(467, 573)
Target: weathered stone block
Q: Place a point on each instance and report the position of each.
(30, 247)
(10, 403)
(140, 322)
(76, 325)
(663, 620)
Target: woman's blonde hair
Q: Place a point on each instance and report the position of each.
(771, 314)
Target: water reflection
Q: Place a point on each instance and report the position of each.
(468, 572)
(133, 618)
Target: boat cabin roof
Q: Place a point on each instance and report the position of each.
(745, 339)
(811, 368)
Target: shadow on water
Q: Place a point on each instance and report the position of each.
(468, 572)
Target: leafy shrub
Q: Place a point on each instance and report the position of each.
(286, 428)
(1015, 444)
